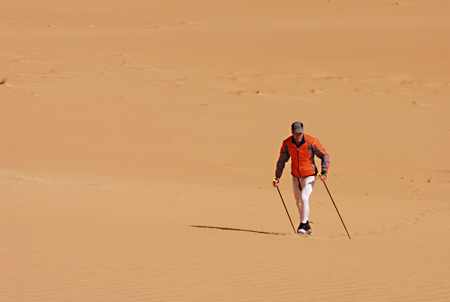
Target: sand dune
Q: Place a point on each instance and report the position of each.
(138, 141)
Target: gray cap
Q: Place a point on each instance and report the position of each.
(297, 127)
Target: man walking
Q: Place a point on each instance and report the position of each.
(301, 149)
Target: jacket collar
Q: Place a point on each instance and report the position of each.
(301, 142)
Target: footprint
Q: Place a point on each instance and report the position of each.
(245, 92)
(317, 91)
(229, 78)
(189, 23)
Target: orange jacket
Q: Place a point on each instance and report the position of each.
(302, 157)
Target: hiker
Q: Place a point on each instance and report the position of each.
(301, 149)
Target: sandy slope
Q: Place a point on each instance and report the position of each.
(138, 141)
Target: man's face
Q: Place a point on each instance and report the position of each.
(298, 137)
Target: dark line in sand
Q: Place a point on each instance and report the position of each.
(239, 230)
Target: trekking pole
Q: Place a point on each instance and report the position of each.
(337, 210)
(286, 210)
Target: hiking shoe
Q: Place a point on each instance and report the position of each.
(304, 228)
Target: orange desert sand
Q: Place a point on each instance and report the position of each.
(138, 142)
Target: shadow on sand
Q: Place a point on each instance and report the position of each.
(239, 230)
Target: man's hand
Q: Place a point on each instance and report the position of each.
(323, 176)
(275, 182)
